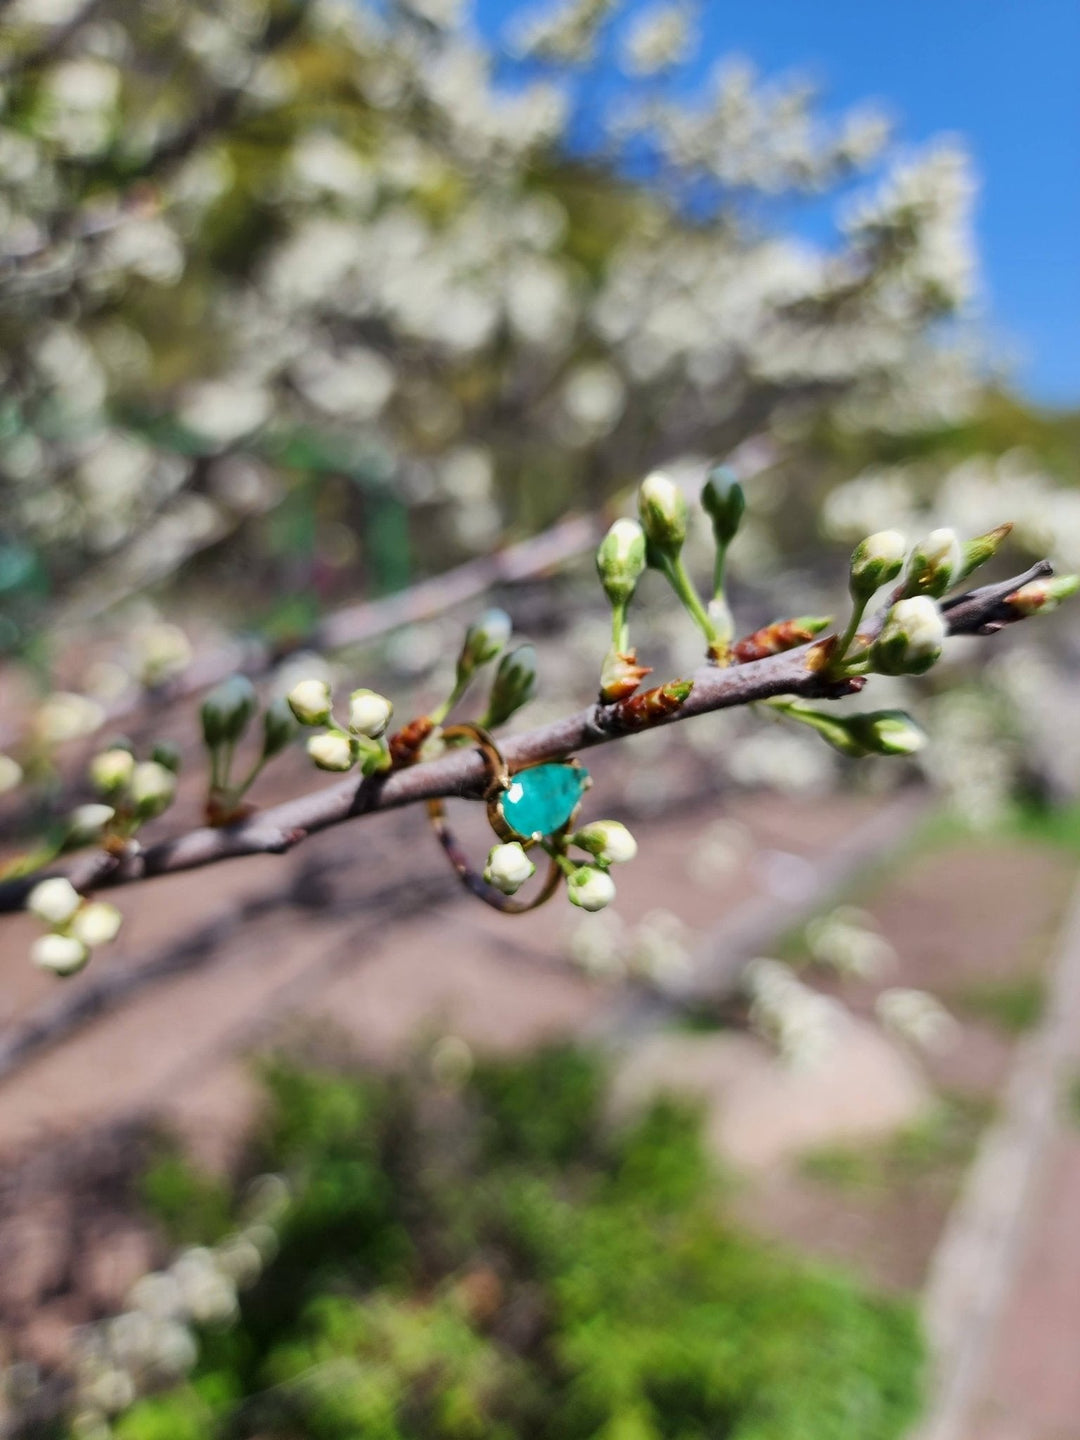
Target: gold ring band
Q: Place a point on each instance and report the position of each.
(498, 782)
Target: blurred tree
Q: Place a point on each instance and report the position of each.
(345, 253)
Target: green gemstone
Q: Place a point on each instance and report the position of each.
(541, 800)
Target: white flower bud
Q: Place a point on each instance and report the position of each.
(62, 954)
(86, 823)
(663, 511)
(54, 901)
(620, 560)
(508, 867)
(310, 702)
(153, 787)
(933, 563)
(332, 751)
(11, 774)
(65, 716)
(96, 923)
(111, 770)
(911, 638)
(876, 560)
(610, 841)
(369, 713)
(590, 888)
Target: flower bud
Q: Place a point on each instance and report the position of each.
(483, 640)
(279, 728)
(982, 548)
(663, 511)
(590, 888)
(514, 685)
(332, 751)
(933, 563)
(54, 901)
(167, 754)
(835, 730)
(310, 702)
(724, 500)
(887, 732)
(111, 771)
(96, 923)
(508, 867)
(911, 638)
(369, 713)
(62, 954)
(11, 774)
(86, 825)
(620, 560)
(609, 841)
(152, 789)
(875, 561)
(227, 710)
(1042, 596)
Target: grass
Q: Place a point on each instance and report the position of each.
(1014, 1006)
(1072, 1101)
(935, 1149)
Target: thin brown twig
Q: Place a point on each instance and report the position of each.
(463, 773)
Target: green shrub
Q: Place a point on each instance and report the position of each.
(502, 1265)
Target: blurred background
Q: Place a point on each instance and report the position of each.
(323, 327)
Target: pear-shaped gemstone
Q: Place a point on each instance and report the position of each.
(541, 800)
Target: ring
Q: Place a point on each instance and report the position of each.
(500, 783)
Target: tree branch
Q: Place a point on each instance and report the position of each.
(463, 773)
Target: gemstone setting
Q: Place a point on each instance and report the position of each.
(542, 800)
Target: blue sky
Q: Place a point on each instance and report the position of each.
(1005, 74)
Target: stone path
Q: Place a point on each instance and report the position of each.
(1002, 1306)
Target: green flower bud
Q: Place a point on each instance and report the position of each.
(887, 732)
(111, 771)
(620, 560)
(590, 888)
(153, 789)
(982, 548)
(514, 685)
(833, 729)
(933, 564)
(724, 500)
(310, 701)
(508, 867)
(1042, 596)
(54, 901)
(369, 713)
(279, 728)
(96, 923)
(62, 954)
(483, 640)
(607, 840)
(227, 710)
(911, 638)
(332, 751)
(167, 754)
(663, 511)
(875, 561)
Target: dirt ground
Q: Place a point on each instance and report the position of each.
(369, 933)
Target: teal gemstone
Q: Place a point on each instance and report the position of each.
(541, 800)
